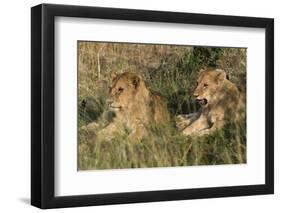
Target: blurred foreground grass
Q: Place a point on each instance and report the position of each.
(165, 148)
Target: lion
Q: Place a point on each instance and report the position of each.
(220, 102)
(136, 107)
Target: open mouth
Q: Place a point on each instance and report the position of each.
(202, 102)
(115, 108)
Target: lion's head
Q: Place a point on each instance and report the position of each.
(208, 85)
(127, 89)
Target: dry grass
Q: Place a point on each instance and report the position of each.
(172, 71)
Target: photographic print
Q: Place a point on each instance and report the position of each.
(155, 105)
(114, 99)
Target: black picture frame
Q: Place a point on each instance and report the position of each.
(43, 102)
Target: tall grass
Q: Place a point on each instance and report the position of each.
(172, 71)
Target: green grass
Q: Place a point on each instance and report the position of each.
(164, 148)
(172, 71)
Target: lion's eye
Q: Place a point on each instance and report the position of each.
(120, 89)
(205, 85)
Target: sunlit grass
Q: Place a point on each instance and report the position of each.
(164, 148)
(172, 71)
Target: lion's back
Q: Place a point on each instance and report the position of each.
(232, 103)
(160, 109)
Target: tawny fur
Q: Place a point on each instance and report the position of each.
(136, 106)
(221, 102)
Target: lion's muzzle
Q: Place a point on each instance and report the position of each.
(202, 102)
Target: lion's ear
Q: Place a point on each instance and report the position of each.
(113, 75)
(201, 70)
(136, 82)
(221, 76)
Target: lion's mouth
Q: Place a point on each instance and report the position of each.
(202, 102)
(115, 108)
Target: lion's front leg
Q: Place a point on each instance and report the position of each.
(138, 133)
(196, 126)
(215, 126)
(109, 131)
(182, 121)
